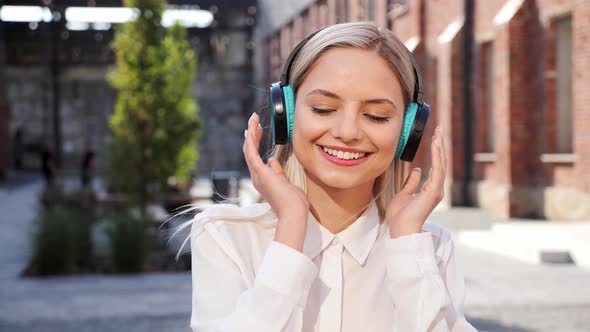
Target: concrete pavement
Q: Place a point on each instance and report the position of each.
(503, 294)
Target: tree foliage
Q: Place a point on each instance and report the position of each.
(155, 125)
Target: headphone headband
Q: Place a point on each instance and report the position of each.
(284, 80)
(287, 67)
(418, 88)
(282, 105)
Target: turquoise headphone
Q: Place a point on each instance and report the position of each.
(282, 109)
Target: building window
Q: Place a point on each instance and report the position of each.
(305, 22)
(367, 10)
(345, 10)
(485, 110)
(563, 53)
(340, 11)
(395, 8)
(400, 7)
(285, 37)
(275, 57)
(370, 10)
(323, 13)
(389, 12)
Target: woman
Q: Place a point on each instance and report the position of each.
(336, 243)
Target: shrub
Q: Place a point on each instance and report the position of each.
(61, 241)
(52, 243)
(128, 242)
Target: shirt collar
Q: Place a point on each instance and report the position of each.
(358, 238)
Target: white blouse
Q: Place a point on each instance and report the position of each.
(357, 280)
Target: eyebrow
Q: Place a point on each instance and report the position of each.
(327, 93)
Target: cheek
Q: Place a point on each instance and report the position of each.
(386, 142)
(305, 131)
(386, 139)
(305, 127)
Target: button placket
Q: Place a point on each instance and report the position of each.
(331, 315)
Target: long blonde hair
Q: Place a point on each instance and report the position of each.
(363, 35)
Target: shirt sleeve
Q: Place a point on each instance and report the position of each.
(427, 297)
(222, 301)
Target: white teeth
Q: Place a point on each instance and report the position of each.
(343, 155)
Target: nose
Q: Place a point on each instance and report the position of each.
(347, 127)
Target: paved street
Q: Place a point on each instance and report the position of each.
(502, 294)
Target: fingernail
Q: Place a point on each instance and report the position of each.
(245, 133)
(259, 126)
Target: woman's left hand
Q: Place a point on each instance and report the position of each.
(407, 212)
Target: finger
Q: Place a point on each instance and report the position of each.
(443, 150)
(428, 182)
(438, 172)
(257, 130)
(251, 154)
(276, 167)
(248, 163)
(442, 157)
(433, 184)
(412, 182)
(258, 134)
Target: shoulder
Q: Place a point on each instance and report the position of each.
(242, 232)
(232, 218)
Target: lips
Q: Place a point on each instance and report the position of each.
(343, 158)
(343, 154)
(343, 149)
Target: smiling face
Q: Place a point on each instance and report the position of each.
(348, 117)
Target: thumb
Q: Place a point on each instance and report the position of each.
(412, 181)
(276, 167)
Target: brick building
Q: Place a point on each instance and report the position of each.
(528, 126)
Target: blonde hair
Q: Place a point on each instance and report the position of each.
(363, 35)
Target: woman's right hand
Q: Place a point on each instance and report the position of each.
(288, 201)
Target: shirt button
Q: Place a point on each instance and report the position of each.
(336, 242)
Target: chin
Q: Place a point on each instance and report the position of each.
(338, 180)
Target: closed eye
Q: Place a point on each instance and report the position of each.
(377, 118)
(321, 111)
(371, 117)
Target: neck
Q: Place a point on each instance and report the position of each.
(336, 208)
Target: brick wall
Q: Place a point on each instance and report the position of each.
(581, 96)
(520, 175)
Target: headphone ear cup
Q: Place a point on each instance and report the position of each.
(290, 110)
(278, 115)
(409, 117)
(419, 124)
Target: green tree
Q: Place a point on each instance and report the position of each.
(155, 125)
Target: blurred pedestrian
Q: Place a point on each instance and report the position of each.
(18, 148)
(87, 165)
(48, 167)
